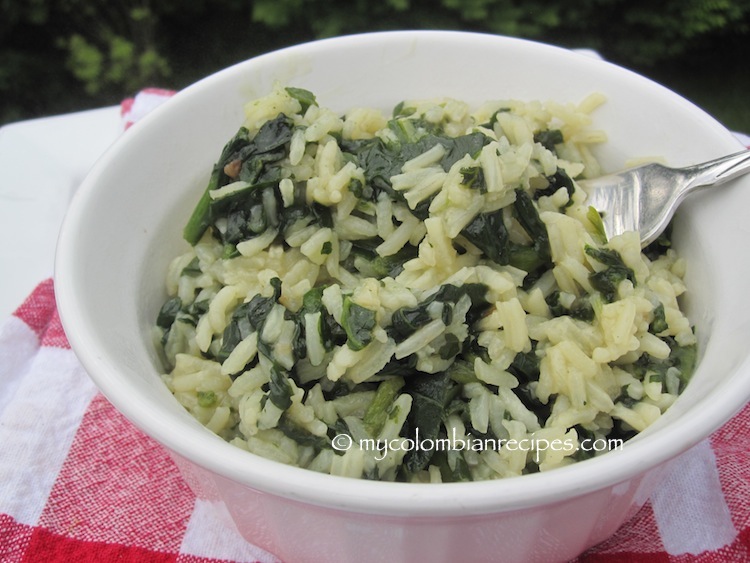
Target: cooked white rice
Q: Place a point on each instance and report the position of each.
(331, 262)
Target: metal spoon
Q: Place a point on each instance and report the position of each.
(644, 198)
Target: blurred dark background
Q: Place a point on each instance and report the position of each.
(58, 56)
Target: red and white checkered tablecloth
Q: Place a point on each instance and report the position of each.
(79, 483)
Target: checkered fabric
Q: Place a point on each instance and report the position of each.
(78, 482)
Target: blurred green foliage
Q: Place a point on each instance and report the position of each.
(63, 55)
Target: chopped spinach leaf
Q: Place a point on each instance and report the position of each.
(525, 392)
(430, 394)
(331, 333)
(279, 388)
(357, 322)
(549, 138)
(493, 119)
(660, 246)
(377, 412)
(248, 318)
(526, 258)
(659, 322)
(473, 177)
(259, 160)
(525, 366)
(451, 348)
(201, 217)
(168, 312)
(369, 263)
(595, 219)
(407, 320)
(487, 232)
(301, 435)
(461, 371)
(404, 367)
(312, 301)
(559, 179)
(683, 358)
(381, 161)
(405, 130)
(304, 97)
(607, 281)
(193, 269)
(453, 466)
(402, 110)
(528, 216)
(582, 309)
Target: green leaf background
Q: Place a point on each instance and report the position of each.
(66, 55)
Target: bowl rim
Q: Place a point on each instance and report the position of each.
(374, 497)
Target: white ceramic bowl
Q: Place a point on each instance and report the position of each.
(125, 223)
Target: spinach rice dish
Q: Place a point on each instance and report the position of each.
(406, 296)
